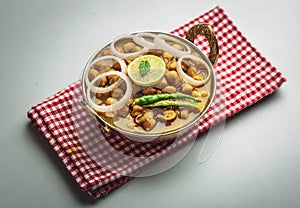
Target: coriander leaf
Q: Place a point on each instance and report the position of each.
(144, 67)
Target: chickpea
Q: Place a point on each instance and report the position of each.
(203, 74)
(158, 92)
(137, 48)
(191, 71)
(195, 93)
(130, 101)
(161, 118)
(146, 120)
(204, 94)
(102, 81)
(156, 52)
(150, 124)
(128, 47)
(149, 91)
(103, 96)
(92, 74)
(113, 79)
(167, 56)
(172, 65)
(106, 52)
(197, 77)
(196, 54)
(172, 76)
(117, 93)
(148, 115)
(99, 66)
(117, 66)
(136, 110)
(178, 47)
(111, 76)
(134, 114)
(110, 101)
(169, 89)
(187, 88)
(119, 48)
(184, 114)
(185, 65)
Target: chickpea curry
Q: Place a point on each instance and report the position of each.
(148, 83)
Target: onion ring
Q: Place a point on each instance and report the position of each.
(189, 79)
(126, 55)
(160, 40)
(115, 84)
(139, 38)
(119, 104)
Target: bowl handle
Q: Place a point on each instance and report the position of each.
(207, 31)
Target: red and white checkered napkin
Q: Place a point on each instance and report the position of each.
(100, 162)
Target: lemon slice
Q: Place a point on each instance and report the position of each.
(153, 75)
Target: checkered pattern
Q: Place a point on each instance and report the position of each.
(100, 162)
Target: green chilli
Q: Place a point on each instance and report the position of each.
(148, 99)
(166, 103)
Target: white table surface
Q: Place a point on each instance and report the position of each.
(44, 46)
